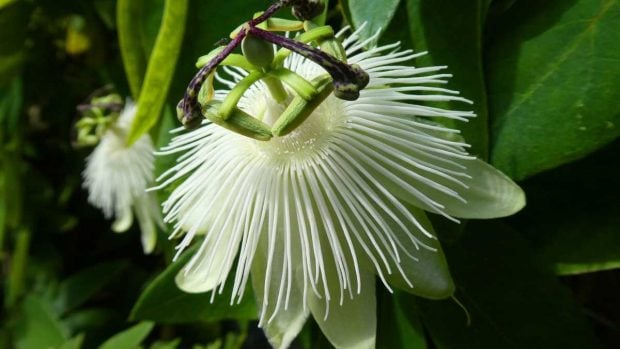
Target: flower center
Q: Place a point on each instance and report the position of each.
(308, 140)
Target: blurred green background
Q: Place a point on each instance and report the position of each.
(545, 78)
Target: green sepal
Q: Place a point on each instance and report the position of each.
(232, 99)
(204, 60)
(281, 25)
(233, 59)
(299, 109)
(233, 34)
(314, 34)
(242, 123)
(257, 51)
(334, 47)
(301, 86)
(207, 91)
(237, 60)
(331, 45)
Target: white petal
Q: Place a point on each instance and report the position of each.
(123, 221)
(149, 217)
(352, 324)
(427, 275)
(491, 194)
(281, 320)
(209, 268)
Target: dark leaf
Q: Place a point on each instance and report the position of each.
(552, 90)
(164, 302)
(513, 302)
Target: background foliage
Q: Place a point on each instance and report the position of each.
(545, 78)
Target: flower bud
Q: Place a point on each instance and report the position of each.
(307, 9)
(190, 121)
(257, 51)
(349, 90)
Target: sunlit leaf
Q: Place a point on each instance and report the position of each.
(130, 338)
(166, 345)
(366, 12)
(134, 58)
(73, 343)
(553, 91)
(39, 327)
(160, 69)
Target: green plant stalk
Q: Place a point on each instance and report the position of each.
(160, 69)
(18, 267)
(276, 88)
(3, 208)
(134, 59)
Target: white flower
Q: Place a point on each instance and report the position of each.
(117, 176)
(313, 216)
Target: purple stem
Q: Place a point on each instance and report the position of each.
(341, 72)
(267, 14)
(190, 99)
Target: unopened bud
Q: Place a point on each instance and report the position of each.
(191, 120)
(308, 9)
(257, 51)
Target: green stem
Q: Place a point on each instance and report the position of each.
(276, 88)
(134, 59)
(3, 208)
(18, 267)
(160, 69)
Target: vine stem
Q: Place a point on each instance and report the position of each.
(346, 78)
(190, 99)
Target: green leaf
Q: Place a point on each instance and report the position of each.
(73, 343)
(134, 59)
(322, 18)
(89, 319)
(553, 81)
(513, 302)
(14, 17)
(10, 107)
(397, 327)
(153, 11)
(38, 327)
(19, 263)
(13, 170)
(206, 32)
(130, 338)
(443, 28)
(573, 219)
(160, 69)
(80, 287)
(166, 345)
(4, 3)
(3, 209)
(365, 11)
(164, 302)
